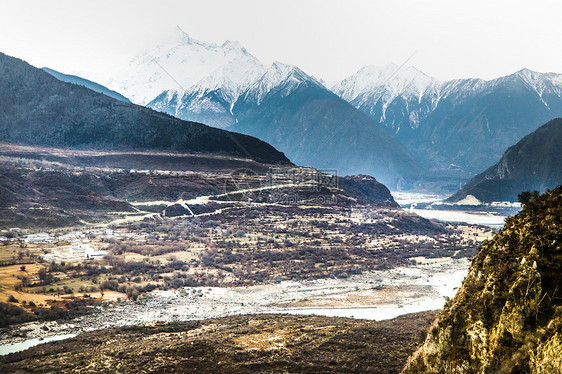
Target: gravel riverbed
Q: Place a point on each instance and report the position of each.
(423, 286)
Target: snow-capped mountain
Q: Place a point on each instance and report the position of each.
(374, 89)
(541, 83)
(182, 64)
(462, 124)
(278, 102)
(294, 111)
(199, 81)
(386, 83)
(214, 99)
(280, 78)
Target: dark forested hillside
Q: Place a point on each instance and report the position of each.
(38, 109)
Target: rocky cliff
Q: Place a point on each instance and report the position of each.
(507, 316)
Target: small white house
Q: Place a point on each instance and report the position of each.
(96, 255)
(72, 235)
(81, 249)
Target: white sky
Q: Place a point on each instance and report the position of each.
(328, 39)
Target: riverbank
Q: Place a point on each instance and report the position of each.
(423, 286)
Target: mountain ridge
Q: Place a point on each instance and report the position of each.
(245, 105)
(38, 109)
(455, 128)
(460, 124)
(309, 113)
(180, 63)
(68, 78)
(534, 163)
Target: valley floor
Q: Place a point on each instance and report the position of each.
(106, 246)
(376, 295)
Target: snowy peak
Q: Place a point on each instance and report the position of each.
(184, 68)
(181, 37)
(541, 83)
(235, 45)
(280, 73)
(528, 75)
(179, 63)
(390, 81)
(386, 83)
(203, 82)
(280, 78)
(231, 79)
(373, 89)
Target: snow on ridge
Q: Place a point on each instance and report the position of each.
(540, 82)
(374, 85)
(390, 79)
(248, 77)
(193, 68)
(244, 76)
(178, 63)
(232, 79)
(278, 75)
(373, 89)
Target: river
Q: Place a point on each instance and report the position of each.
(207, 302)
(375, 295)
(20, 346)
(410, 200)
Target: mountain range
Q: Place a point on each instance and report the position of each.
(227, 87)
(396, 123)
(534, 163)
(463, 124)
(38, 109)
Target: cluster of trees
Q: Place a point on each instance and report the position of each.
(12, 314)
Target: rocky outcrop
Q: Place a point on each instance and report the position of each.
(507, 316)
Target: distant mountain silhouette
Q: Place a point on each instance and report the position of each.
(86, 83)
